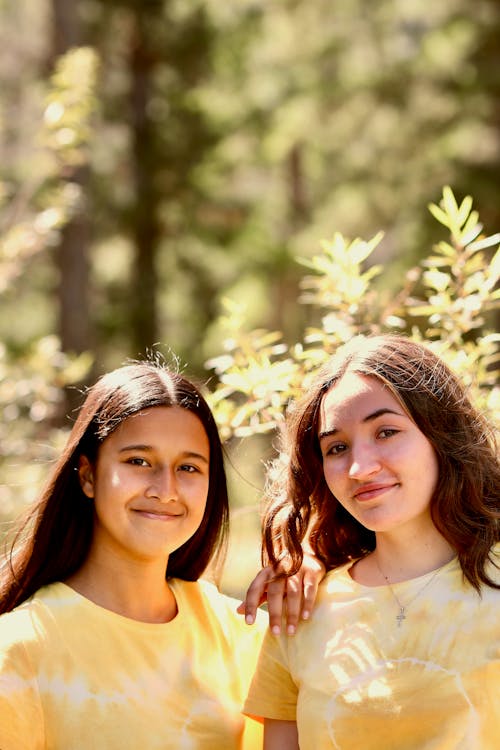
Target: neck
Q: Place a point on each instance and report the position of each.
(139, 592)
(400, 559)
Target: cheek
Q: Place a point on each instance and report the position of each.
(432, 471)
(422, 460)
(200, 496)
(114, 479)
(333, 475)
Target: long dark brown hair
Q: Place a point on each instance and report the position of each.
(53, 539)
(465, 503)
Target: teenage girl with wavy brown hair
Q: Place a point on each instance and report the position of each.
(394, 476)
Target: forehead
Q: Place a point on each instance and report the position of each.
(165, 424)
(353, 398)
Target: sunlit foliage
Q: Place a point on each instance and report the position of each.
(447, 301)
(31, 380)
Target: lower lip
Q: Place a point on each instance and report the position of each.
(372, 494)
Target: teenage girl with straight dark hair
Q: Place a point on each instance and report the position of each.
(108, 639)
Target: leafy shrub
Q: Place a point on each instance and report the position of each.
(448, 301)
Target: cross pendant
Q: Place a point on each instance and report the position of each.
(401, 616)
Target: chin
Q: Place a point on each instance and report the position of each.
(380, 525)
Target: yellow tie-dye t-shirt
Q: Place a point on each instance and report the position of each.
(355, 679)
(76, 676)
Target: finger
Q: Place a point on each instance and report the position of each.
(249, 607)
(310, 592)
(256, 594)
(276, 592)
(293, 603)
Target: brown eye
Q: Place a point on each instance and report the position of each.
(387, 432)
(136, 461)
(336, 450)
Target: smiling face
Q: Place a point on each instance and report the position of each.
(377, 463)
(149, 484)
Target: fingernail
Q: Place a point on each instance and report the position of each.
(305, 615)
(249, 619)
(276, 630)
(291, 630)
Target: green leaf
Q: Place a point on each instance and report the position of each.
(437, 280)
(439, 214)
(464, 210)
(359, 251)
(434, 261)
(494, 239)
(446, 249)
(449, 202)
(494, 270)
(472, 228)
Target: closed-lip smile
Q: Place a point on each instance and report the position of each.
(161, 515)
(372, 490)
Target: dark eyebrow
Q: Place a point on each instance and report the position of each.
(368, 418)
(148, 448)
(136, 447)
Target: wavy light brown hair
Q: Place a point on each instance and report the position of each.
(53, 539)
(465, 503)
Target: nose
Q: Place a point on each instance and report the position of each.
(365, 461)
(163, 485)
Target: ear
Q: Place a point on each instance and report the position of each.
(86, 476)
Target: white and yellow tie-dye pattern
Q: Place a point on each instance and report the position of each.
(75, 676)
(355, 680)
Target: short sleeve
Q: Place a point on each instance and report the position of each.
(244, 642)
(273, 693)
(21, 720)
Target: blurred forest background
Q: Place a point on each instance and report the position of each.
(161, 156)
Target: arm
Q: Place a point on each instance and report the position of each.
(299, 591)
(280, 735)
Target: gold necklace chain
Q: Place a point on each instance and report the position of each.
(402, 608)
